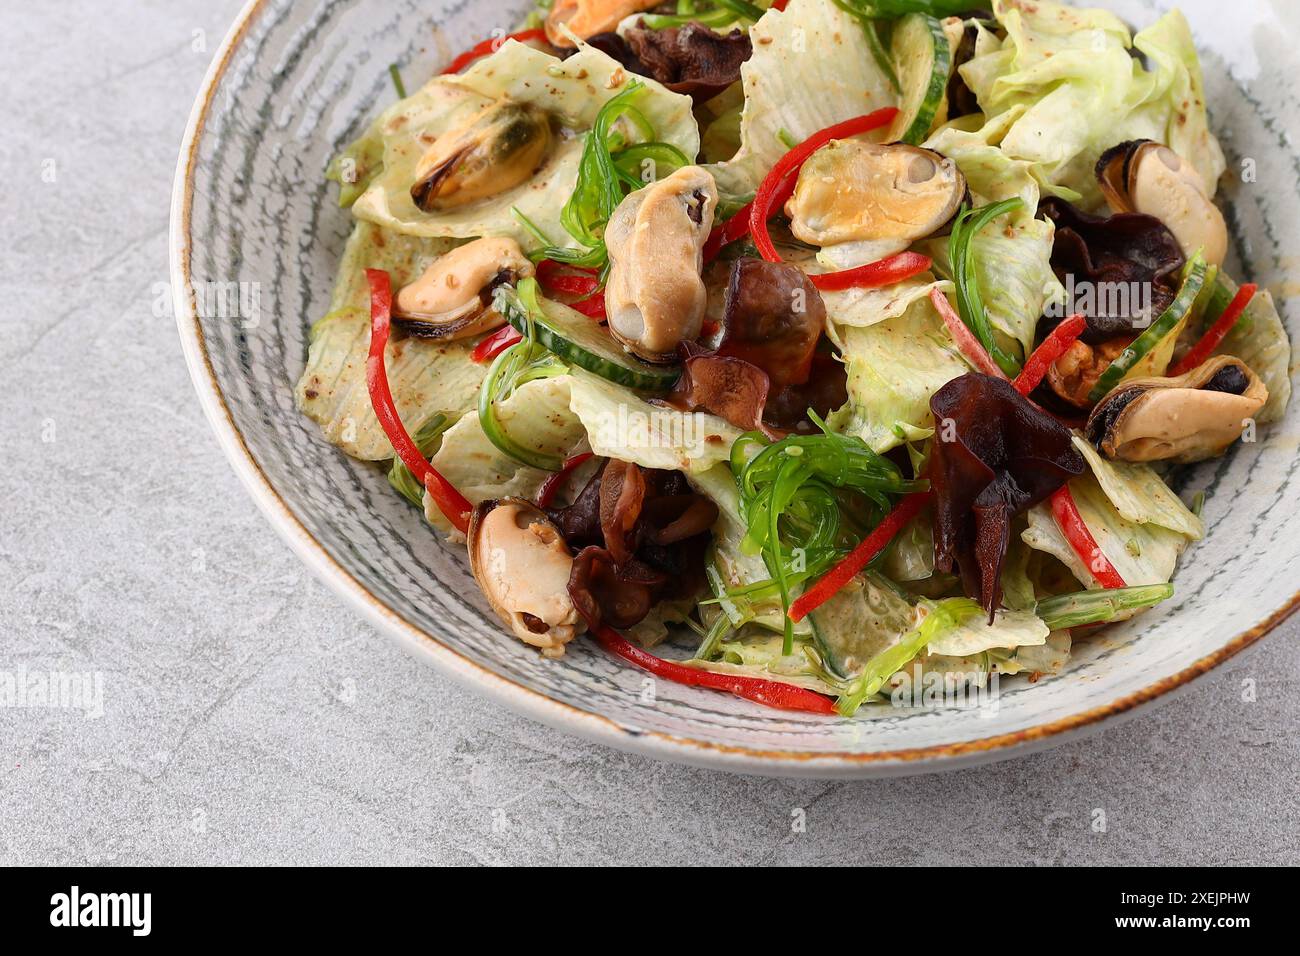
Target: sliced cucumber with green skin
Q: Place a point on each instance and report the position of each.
(923, 62)
(861, 620)
(1148, 340)
(577, 339)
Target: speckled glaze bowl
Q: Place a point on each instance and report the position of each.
(298, 79)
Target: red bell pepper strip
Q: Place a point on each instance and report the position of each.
(844, 572)
(1072, 525)
(737, 227)
(874, 275)
(570, 285)
(779, 5)
(490, 46)
(495, 344)
(760, 691)
(1212, 339)
(789, 164)
(592, 307)
(1045, 356)
(559, 278)
(552, 484)
(728, 232)
(964, 337)
(455, 506)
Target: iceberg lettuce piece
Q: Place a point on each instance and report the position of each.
(1013, 264)
(910, 556)
(894, 367)
(574, 90)
(621, 424)
(990, 173)
(356, 167)
(1176, 101)
(862, 308)
(426, 378)
(1074, 89)
(974, 635)
(1139, 494)
(1141, 553)
(1012, 254)
(537, 413)
(1018, 590)
(1260, 340)
(812, 68)
(1046, 658)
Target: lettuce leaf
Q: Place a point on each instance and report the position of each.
(621, 424)
(426, 378)
(1176, 100)
(574, 90)
(1260, 340)
(862, 308)
(910, 556)
(894, 367)
(1139, 494)
(536, 413)
(812, 68)
(974, 635)
(1064, 88)
(1013, 262)
(1141, 553)
(990, 173)
(1046, 658)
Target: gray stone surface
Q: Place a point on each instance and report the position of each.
(250, 718)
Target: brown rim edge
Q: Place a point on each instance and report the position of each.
(533, 704)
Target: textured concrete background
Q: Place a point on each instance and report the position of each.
(250, 718)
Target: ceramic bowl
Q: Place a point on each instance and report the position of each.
(298, 79)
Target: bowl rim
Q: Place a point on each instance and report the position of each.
(524, 700)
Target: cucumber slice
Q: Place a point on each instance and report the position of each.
(863, 619)
(1148, 340)
(580, 340)
(923, 61)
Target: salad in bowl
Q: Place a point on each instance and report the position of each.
(847, 342)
